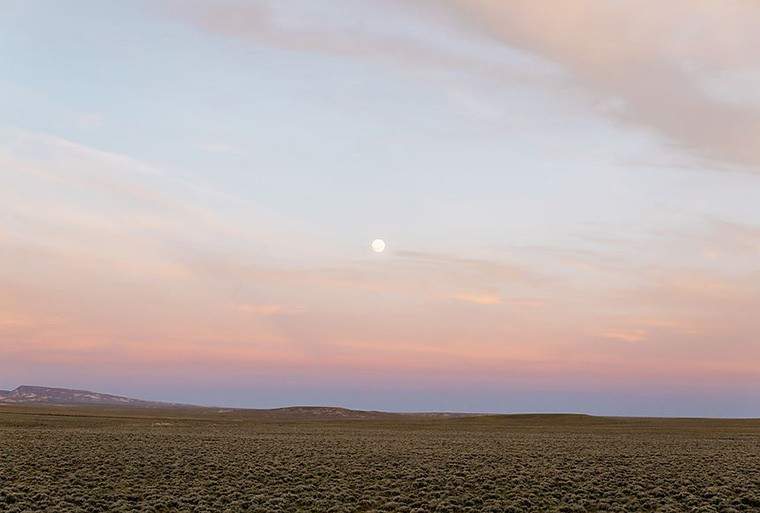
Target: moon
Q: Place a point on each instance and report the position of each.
(378, 245)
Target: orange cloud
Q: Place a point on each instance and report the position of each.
(478, 298)
(626, 336)
(266, 310)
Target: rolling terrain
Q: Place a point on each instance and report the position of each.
(47, 396)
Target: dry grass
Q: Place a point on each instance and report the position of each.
(90, 459)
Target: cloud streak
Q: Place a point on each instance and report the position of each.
(81, 278)
(672, 69)
(654, 61)
(525, 247)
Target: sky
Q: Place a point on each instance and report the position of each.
(569, 194)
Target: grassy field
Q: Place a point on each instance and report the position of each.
(193, 460)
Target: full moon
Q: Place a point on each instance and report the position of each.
(378, 245)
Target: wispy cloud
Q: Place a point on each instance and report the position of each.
(497, 270)
(141, 258)
(387, 30)
(685, 70)
(659, 62)
(626, 336)
(478, 298)
(266, 310)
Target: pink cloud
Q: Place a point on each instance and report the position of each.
(653, 65)
(652, 58)
(478, 298)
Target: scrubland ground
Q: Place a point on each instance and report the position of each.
(94, 459)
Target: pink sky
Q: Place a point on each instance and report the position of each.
(569, 196)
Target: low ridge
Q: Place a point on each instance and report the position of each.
(28, 394)
(31, 395)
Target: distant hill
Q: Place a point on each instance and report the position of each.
(318, 413)
(27, 394)
(35, 395)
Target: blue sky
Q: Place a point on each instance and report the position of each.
(191, 182)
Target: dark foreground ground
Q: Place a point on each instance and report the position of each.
(87, 460)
